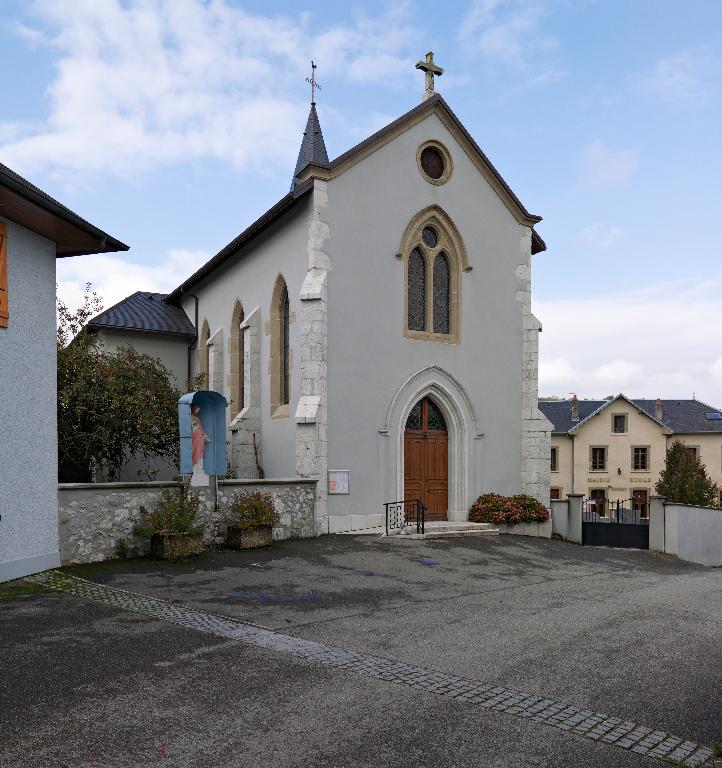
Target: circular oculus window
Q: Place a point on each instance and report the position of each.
(434, 162)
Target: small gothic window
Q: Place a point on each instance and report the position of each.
(434, 419)
(285, 378)
(432, 163)
(441, 293)
(414, 420)
(416, 291)
(429, 237)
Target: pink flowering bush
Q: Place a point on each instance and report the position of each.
(507, 510)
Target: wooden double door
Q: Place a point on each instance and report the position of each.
(426, 459)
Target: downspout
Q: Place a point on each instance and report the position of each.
(574, 489)
(194, 341)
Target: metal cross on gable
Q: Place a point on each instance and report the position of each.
(431, 69)
(313, 82)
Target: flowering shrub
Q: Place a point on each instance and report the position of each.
(253, 509)
(507, 510)
(175, 515)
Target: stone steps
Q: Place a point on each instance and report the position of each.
(449, 530)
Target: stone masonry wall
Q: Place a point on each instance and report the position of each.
(535, 427)
(94, 517)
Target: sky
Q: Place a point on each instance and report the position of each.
(173, 124)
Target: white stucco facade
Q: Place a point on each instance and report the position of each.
(354, 373)
(28, 375)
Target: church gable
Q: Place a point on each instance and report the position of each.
(455, 130)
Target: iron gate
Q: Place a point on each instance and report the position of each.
(615, 523)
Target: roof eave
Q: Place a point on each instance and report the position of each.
(32, 208)
(272, 215)
(127, 329)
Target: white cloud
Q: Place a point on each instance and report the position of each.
(684, 78)
(605, 167)
(662, 341)
(599, 235)
(147, 83)
(619, 372)
(507, 32)
(114, 277)
(716, 370)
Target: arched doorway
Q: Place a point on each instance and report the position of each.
(426, 458)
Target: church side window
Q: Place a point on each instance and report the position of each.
(417, 291)
(237, 384)
(281, 362)
(434, 256)
(285, 378)
(441, 293)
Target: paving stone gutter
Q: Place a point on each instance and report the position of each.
(597, 726)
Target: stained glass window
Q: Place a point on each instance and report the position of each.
(434, 419)
(428, 235)
(416, 291)
(285, 318)
(414, 420)
(441, 293)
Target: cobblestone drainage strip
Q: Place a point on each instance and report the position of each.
(593, 725)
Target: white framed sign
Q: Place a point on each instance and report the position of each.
(339, 481)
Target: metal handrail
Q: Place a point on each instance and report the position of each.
(400, 513)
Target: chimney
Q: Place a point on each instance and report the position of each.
(575, 408)
(658, 411)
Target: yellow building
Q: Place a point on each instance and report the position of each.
(615, 449)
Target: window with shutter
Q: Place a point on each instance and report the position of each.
(4, 305)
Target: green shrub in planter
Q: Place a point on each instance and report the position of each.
(172, 525)
(507, 510)
(251, 517)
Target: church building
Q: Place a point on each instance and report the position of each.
(373, 329)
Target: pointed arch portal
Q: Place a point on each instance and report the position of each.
(464, 455)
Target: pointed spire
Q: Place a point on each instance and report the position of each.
(313, 148)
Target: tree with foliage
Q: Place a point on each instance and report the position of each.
(112, 406)
(684, 479)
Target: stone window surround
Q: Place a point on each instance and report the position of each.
(279, 410)
(554, 462)
(649, 451)
(236, 378)
(626, 424)
(605, 448)
(446, 156)
(452, 244)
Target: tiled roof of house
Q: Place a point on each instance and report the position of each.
(681, 416)
(147, 312)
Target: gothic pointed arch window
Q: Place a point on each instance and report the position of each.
(434, 256)
(237, 378)
(281, 357)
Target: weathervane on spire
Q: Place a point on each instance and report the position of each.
(431, 69)
(313, 82)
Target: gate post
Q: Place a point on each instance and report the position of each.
(656, 523)
(574, 521)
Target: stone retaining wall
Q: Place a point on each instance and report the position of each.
(93, 517)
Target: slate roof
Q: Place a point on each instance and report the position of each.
(27, 204)
(313, 147)
(147, 312)
(680, 416)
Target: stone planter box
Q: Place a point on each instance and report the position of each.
(249, 538)
(543, 530)
(173, 547)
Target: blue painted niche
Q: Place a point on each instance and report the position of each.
(213, 417)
